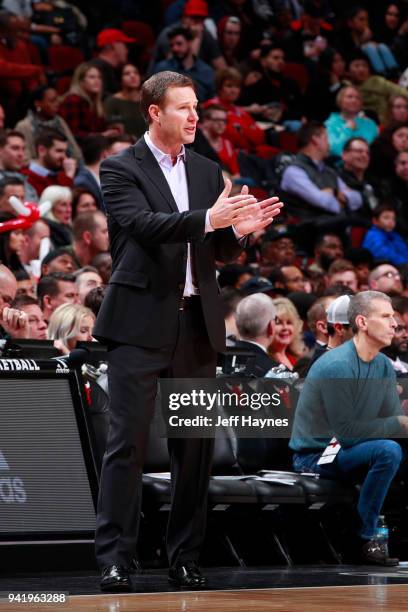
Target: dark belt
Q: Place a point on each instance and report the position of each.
(187, 302)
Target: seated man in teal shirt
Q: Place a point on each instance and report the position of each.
(351, 394)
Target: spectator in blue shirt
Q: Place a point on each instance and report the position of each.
(350, 122)
(311, 181)
(382, 239)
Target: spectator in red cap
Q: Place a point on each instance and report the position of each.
(205, 46)
(112, 55)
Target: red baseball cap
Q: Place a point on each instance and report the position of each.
(111, 36)
(195, 8)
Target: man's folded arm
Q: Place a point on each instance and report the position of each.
(339, 397)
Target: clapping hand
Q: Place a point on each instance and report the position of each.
(259, 218)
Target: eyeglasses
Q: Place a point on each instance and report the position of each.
(400, 329)
(390, 274)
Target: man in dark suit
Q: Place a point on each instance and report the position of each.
(169, 220)
(255, 319)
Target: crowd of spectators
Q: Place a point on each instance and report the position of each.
(306, 99)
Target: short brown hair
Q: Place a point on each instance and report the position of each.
(86, 221)
(227, 74)
(341, 265)
(381, 208)
(154, 89)
(6, 134)
(207, 112)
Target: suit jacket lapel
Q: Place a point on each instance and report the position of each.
(195, 185)
(153, 172)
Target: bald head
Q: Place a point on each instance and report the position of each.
(8, 287)
(386, 278)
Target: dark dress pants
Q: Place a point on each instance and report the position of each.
(133, 373)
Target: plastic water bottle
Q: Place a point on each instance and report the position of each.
(381, 535)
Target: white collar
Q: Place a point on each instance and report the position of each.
(160, 155)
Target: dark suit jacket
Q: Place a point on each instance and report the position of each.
(148, 238)
(263, 363)
(85, 179)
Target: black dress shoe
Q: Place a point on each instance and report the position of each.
(115, 579)
(187, 576)
(372, 554)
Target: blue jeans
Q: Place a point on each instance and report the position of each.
(379, 459)
(381, 57)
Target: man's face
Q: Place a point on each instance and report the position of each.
(281, 251)
(13, 153)
(104, 267)
(363, 272)
(217, 122)
(332, 248)
(380, 324)
(388, 280)
(100, 236)
(53, 157)
(400, 340)
(62, 263)
(121, 52)
(195, 23)
(275, 60)
(359, 22)
(8, 288)
(359, 71)
(36, 322)
(180, 47)
(294, 279)
(26, 287)
(231, 35)
(49, 104)
(357, 158)
(321, 142)
(67, 294)
(87, 281)
(39, 231)
(401, 166)
(348, 278)
(178, 118)
(347, 332)
(11, 190)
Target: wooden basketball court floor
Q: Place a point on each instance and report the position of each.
(390, 598)
(318, 588)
